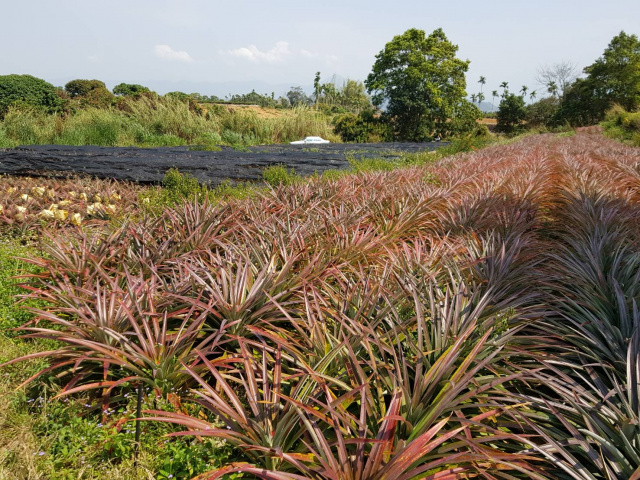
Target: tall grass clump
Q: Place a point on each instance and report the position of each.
(152, 121)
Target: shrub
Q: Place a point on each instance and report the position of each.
(351, 128)
(98, 97)
(623, 125)
(364, 127)
(277, 175)
(181, 186)
(27, 90)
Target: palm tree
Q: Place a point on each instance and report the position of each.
(480, 97)
(494, 94)
(552, 88)
(482, 81)
(473, 97)
(532, 95)
(524, 90)
(505, 87)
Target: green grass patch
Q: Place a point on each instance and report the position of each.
(622, 125)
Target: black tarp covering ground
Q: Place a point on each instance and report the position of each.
(148, 165)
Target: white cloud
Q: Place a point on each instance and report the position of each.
(254, 54)
(168, 53)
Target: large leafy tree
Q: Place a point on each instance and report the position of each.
(27, 90)
(615, 76)
(419, 81)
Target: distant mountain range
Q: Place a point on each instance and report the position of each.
(487, 106)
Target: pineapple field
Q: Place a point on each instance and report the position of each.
(472, 317)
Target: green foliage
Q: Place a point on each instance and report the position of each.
(623, 125)
(350, 97)
(150, 121)
(13, 315)
(80, 88)
(254, 98)
(464, 121)
(297, 97)
(77, 436)
(542, 113)
(277, 175)
(420, 81)
(178, 95)
(29, 91)
(178, 187)
(351, 128)
(98, 97)
(511, 114)
(361, 128)
(128, 89)
(614, 78)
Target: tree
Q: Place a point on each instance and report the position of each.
(552, 88)
(543, 112)
(316, 88)
(511, 113)
(482, 82)
(561, 74)
(505, 89)
(353, 96)
(80, 88)
(524, 90)
(27, 90)
(297, 97)
(615, 76)
(464, 120)
(494, 95)
(129, 89)
(419, 81)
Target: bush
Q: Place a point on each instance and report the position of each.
(361, 128)
(351, 128)
(98, 97)
(129, 89)
(81, 88)
(622, 125)
(178, 187)
(27, 90)
(277, 175)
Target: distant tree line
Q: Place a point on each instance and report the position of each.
(612, 80)
(416, 91)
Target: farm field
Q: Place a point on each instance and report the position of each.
(149, 165)
(476, 317)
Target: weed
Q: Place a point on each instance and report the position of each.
(277, 175)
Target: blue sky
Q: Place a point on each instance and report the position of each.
(216, 47)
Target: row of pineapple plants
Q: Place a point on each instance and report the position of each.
(476, 318)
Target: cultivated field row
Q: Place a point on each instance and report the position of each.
(477, 317)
